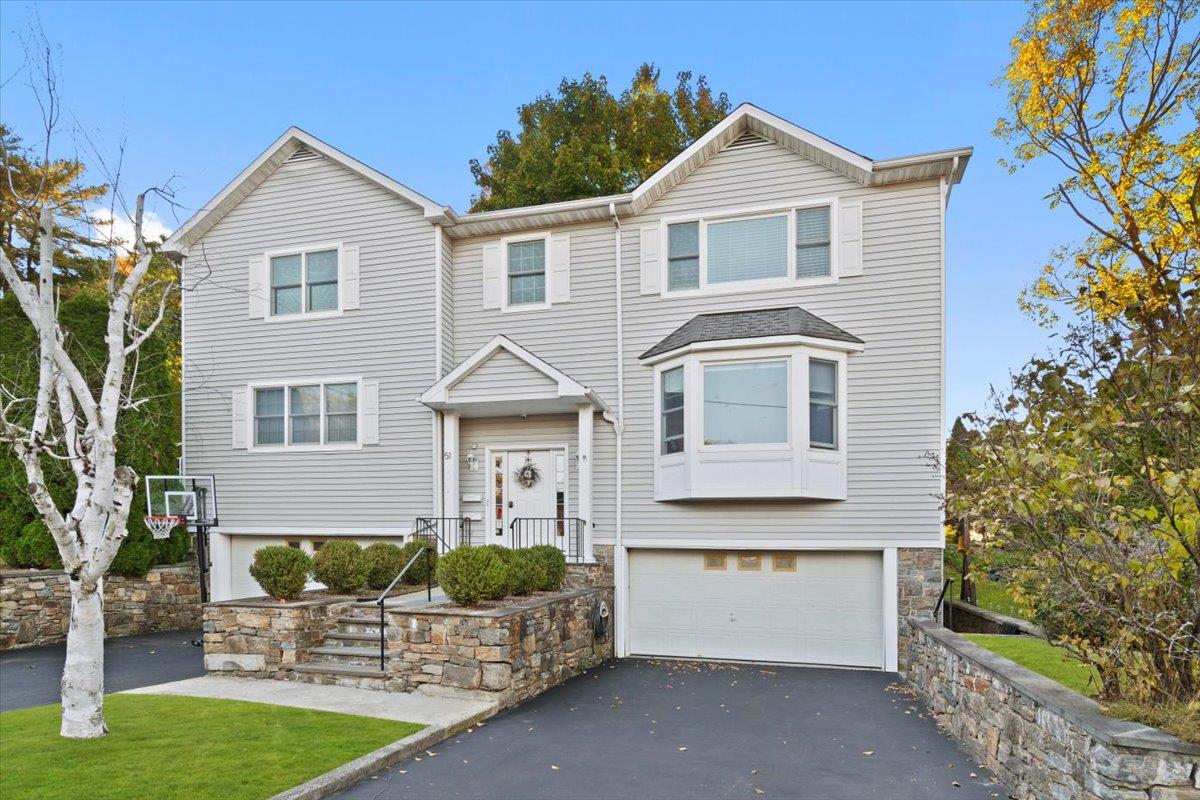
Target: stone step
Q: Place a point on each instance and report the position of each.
(346, 670)
(351, 636)
(355, 620)
(341, 651)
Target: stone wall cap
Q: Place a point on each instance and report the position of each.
(1025, 626)
(1073, 706)
(265, 601)
(9, 573)
(439, 609)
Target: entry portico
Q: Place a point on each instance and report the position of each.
(517, 449)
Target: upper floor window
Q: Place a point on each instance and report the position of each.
(672, 411)
(527, 272)
(683, 255)
(304, 282)
(757, 248)
(308, 414)
(746, 403)
(812, 242)
(822, 404)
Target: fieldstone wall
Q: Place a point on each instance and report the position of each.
(1042, 739)
(963, 617)
(35, 606)
(262, 638)
(918, 584)
(515, 652)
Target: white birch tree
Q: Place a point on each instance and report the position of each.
(73, 419)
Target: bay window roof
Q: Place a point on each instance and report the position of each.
(791, 321)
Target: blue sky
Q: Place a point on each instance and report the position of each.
(415, 91)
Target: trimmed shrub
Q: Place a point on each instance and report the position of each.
(341, 566)
(384, 560)
(518, 580)
(281, 571)
(419, 571)
(553, 567)
(470, 574)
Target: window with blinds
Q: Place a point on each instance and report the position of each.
(747, 249)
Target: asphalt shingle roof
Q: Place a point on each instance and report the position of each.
(791, 321)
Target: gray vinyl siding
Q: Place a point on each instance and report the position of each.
(447, 279)
(382, 486)
(894, 387)
(503, 377)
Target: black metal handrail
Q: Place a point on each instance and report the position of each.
(446, 533)
(567, 534)
(941, 597)
(427, 554)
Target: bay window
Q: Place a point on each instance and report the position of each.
(746, 403)
(672, 411)
(822, 404)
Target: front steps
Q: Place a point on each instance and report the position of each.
(348, 657)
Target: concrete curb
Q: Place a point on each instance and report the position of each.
(365, 766)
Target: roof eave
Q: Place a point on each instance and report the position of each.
(750, 342)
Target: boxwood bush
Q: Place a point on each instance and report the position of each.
(419, 571)
(518, 579)
(384, 560)
(470, 574)
(341, 566)
(552, 567)
(281, 571)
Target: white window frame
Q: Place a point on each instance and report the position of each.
(731, 360)
(510, 308)
(287, 385)
(837, 405)
(745, 213)
(303, 251)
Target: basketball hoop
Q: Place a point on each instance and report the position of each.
(160, 525)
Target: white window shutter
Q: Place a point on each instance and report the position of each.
(257, 288)
(349, 286)
(651, 268)
(241, 425)
(369, 398)
(560, 268)
(492, 283)
(850, 239)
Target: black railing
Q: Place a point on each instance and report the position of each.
(444, 533)
(565, 534)
(425, 553)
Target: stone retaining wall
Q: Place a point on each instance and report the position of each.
(1042, 739)
(261, 638)
(35, 606)
(918, 584)
(963, 617)
(516, 652)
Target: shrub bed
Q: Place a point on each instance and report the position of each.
(341, 566)
(281, 571)
(419, 572)
(384, 560)
(469, 575)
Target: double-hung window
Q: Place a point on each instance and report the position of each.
(306, 414)
(527, 272)
(683, 256)
(672, 411)
(305, 282)
(812, 242)
(746, 403)
(822, 404)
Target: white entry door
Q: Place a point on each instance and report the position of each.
(810, 607)
(535, 502)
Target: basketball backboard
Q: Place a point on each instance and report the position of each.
(193, 497)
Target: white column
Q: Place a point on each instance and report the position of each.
(220, 579)
(450, 463)
(586, 418)
(891, 619)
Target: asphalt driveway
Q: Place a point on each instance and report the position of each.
(652, 729)
(31, 677)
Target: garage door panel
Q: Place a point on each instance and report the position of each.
(828, 611)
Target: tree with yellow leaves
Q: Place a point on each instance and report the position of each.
(1110, 90)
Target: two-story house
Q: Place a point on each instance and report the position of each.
(724, 383)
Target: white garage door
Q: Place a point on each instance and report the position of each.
(802, 607)
(241, 555)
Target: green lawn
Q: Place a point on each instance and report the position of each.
(991, 595)
(1043, 658)
(182, 747)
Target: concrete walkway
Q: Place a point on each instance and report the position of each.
(442, 712)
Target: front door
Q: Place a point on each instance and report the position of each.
(528, 498)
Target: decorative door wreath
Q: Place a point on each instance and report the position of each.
(527, 475)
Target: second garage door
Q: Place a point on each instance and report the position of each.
(810, 607)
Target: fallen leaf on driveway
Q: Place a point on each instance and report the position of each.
(552, 766)
(868, 752)
(682, 749)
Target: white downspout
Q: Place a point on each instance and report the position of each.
(618, 429)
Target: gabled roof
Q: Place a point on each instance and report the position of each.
(791, 323)
(438, 395)
(748, 118)
(283, 148)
